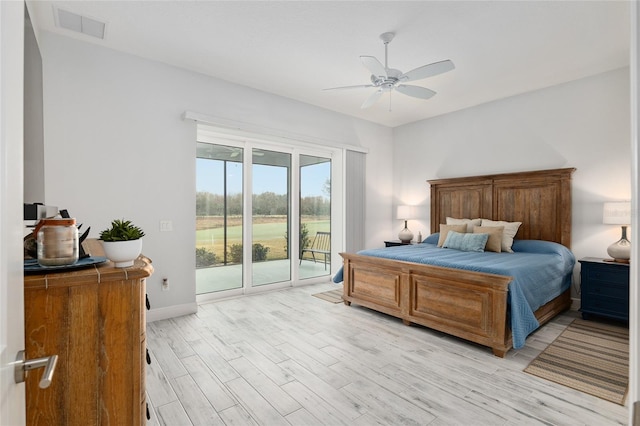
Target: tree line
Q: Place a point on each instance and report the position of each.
(267, 203)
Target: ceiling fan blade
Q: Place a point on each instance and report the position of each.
(428, 71)
(371, 99)
(360, 86)
(415, 91)
(374, 66)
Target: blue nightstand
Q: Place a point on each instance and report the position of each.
(604, 289)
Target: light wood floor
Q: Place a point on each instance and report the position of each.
(287, 358)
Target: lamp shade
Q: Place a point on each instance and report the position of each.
(616, 213)
(406, 212)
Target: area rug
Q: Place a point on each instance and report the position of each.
(333, 296)
(589, 356)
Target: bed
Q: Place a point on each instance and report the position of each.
(469, 304)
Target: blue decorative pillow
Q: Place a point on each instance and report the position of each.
(466, 241)
(432, 239)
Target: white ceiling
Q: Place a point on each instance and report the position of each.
(296, 48)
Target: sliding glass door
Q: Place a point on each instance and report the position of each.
(219, 217)
(315, 216)
(250, 231)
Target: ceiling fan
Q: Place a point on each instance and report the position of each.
(386, 79)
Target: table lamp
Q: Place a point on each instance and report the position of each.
(618, 214)
(406, 213)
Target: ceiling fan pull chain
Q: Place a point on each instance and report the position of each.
(389, 101)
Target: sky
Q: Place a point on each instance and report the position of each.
(209, 178)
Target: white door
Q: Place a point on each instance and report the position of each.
(12, 395)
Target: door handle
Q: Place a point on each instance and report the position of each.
(23, 366)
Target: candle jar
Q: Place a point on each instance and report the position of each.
(57, 241)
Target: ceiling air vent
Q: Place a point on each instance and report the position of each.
(81, 24)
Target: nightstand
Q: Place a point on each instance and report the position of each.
(604, 289)
(394, 243)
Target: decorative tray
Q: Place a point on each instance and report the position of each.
(31, 266)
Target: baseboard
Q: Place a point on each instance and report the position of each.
(171, 311)
(575, 304)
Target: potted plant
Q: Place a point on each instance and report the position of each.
(122, 242)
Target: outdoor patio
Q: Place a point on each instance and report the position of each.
(220, 278)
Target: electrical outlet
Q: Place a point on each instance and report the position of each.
(165, 284)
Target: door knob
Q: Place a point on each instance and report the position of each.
(23, 366)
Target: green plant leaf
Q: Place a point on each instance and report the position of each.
(121, 230)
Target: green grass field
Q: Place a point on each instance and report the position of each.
(268, 231)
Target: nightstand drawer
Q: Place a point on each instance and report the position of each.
(607, 306)
(606, 289)
(609, 275)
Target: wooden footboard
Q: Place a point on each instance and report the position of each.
(470, 305)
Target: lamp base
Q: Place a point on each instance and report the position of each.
(620, 251)
(405, 235)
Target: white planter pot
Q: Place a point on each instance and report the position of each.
(122, 253)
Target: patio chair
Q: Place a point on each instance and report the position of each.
(321, 245)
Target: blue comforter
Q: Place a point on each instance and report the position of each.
(541, 271)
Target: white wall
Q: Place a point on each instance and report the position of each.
(116, 146)
(582, 124)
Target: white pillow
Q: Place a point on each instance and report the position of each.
(508, 233)
(471, 223)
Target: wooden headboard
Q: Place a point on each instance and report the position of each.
(541, 200)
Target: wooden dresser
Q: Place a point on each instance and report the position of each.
(94, 319)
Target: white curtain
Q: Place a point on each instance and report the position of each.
(355, 201)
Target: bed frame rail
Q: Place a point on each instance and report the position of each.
(470, 305)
